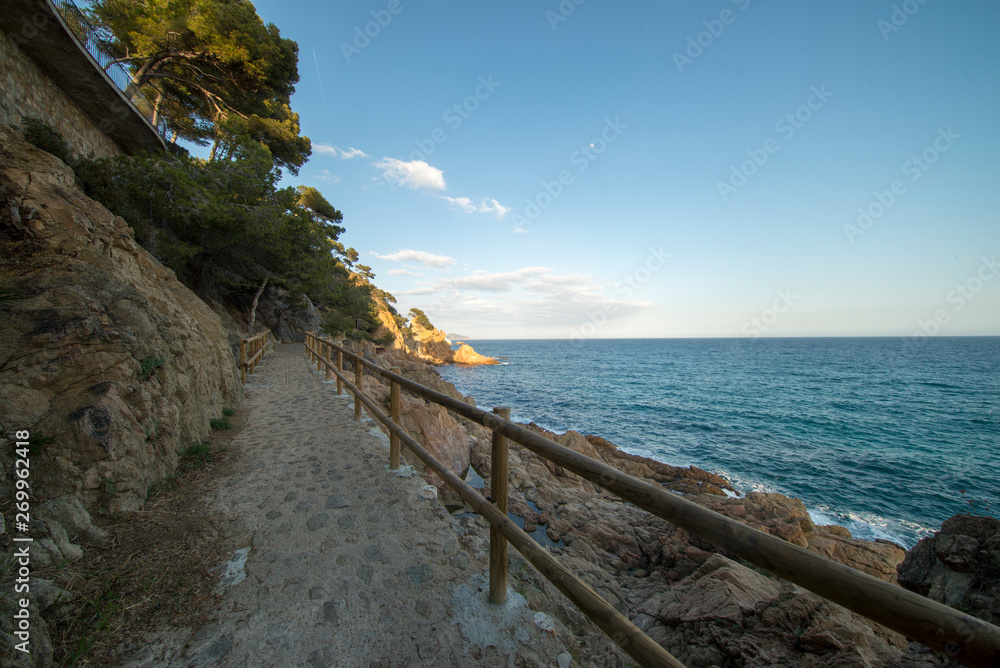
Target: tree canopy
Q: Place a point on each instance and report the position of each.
(217, 72)
(222, 225)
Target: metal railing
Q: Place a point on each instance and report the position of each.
(967, 639)
(100, 50)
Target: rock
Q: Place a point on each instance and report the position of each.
(113, 361)
(233, 571)
(466, 355)
(958, 566)
(720, 590)
(879, 558)
(288, 320)
(727, 614)
(438, 432)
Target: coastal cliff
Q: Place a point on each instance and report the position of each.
(423, 341)
(106, 358)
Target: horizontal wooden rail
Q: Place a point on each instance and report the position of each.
(967, 639)
(618, 627)
(254, 347)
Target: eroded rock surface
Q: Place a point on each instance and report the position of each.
(106, 358)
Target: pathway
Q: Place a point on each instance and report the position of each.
(346, 563)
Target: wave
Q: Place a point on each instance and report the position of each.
(872, 527)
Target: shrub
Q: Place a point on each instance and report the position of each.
(220, 423)
(44, 137)
(148, 365)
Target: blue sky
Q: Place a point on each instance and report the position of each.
(560, 170)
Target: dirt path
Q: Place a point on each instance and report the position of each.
(344, 563)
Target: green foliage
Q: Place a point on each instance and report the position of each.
(312, 199)
(196, 454)
(148, 365)
(347, 255)
(228, 412)
(418, 316)
(44, 137)
(168, 484)
(352, 313)
(222, 226)
(94, 617)
(216, 70)
(7, 296)
(220, 424)
(37, 441)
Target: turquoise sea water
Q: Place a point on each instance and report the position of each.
(880, 435)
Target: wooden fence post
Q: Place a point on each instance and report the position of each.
(327, 352)
(340, 368)
(320, 348)
(243, 361)
(358, 371)
(394, 413)
(498, 491)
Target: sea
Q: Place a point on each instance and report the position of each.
(885, 436)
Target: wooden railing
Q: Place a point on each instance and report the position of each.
(251, 352)
(967, 639)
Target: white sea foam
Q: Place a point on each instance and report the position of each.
(869, 526)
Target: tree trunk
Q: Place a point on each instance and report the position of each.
(253, 307)
(156, 109)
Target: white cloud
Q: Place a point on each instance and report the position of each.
(495, 207)
(337, 152)
(325, 175)
(421, 257)
(531, 296)
(463, 203)
(498, 282)
(402, 272)
(413, 174)
(487, 205)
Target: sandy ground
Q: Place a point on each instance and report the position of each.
(341, 561)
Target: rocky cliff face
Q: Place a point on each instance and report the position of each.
(109, 361)
(432, 346)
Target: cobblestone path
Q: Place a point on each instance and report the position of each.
(344, 563)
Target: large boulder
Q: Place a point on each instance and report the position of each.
(727, 614)
(958, 566)
(107, 359)
(466, 355)
(439, 433)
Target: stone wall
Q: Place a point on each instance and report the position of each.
(26, 91)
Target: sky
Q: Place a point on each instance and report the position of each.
(593, 169)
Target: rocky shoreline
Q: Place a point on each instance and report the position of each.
(705, 607)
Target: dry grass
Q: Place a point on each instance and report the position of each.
(158, 570)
